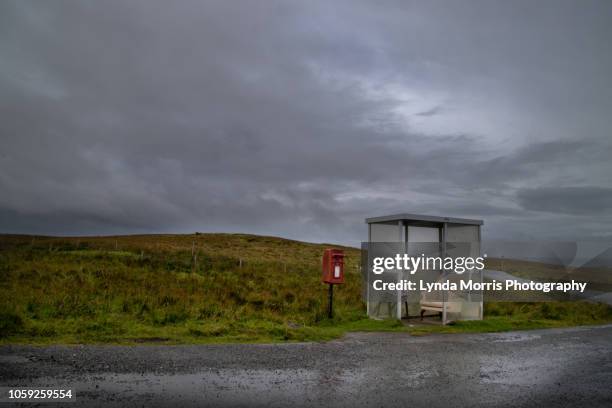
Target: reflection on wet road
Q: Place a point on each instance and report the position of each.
(560, 367)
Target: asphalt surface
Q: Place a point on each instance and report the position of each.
(559, 367)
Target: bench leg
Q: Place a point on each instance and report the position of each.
(422, 313)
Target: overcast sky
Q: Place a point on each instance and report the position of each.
(300, 119)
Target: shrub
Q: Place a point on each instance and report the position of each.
(10, 323)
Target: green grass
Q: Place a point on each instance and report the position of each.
(236, 288)
(599, 278)
(506, 316)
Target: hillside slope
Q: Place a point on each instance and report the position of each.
(203, 288)
(147, 287)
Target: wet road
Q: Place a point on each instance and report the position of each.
(560, 367)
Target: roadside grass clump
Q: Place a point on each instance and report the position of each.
(10, 323)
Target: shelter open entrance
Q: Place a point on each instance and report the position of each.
(428, 237)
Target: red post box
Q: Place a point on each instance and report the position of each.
(333, 266)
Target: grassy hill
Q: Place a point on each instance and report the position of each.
(599, 277)
(201, 288)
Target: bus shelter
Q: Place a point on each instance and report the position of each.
(423, 236)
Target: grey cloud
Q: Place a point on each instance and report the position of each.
(569, 200)
(430, 112)
(301, 119)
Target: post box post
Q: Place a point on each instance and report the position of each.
(330, 302)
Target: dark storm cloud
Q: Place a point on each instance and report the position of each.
(302, 118)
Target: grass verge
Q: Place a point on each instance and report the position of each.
(205, 288)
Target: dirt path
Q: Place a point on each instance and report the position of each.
(560, 367)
